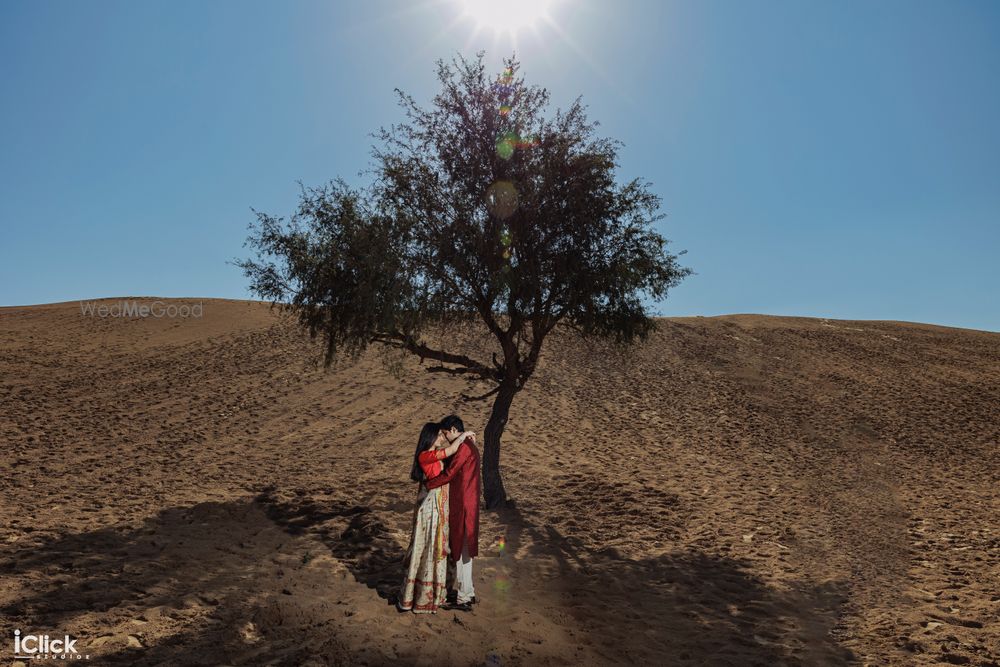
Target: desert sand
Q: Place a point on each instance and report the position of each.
(739, 490)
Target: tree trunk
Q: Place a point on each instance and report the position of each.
(493, 490)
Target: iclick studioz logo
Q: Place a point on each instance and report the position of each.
(44, 647)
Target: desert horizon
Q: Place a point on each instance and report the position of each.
(195, 299)
(744, 490)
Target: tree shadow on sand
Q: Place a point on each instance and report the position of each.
(692, 607)
(207, 577)
(225, 583)
(684, 607)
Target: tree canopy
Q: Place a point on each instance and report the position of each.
(479, 206)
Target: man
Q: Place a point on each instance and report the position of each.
(463, 510)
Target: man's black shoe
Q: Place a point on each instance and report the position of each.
(458, 606)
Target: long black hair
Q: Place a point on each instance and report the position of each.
(428, 434)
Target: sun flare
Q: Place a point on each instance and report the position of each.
(507, 16)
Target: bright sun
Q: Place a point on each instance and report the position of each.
(506, 15)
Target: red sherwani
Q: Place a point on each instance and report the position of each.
(463, 499)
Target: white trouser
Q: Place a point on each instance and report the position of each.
(462, 578)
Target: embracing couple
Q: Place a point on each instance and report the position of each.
(445, 520)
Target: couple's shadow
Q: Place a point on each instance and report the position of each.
(366, 546)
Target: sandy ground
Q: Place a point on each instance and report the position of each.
(741, 490)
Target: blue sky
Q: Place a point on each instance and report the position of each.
(819, 159)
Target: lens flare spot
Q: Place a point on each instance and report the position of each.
(506, 144)
(501, 199)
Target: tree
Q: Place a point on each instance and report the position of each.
(482, 207)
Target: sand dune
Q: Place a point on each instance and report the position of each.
(740, 490)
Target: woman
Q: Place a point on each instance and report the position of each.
(423, 588)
